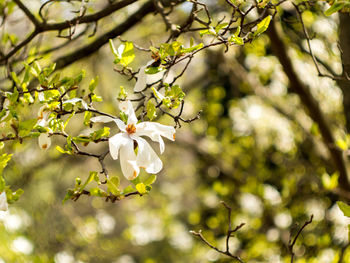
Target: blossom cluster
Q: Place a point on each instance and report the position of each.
(133, 150)
(129, 145)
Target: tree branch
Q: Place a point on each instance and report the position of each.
(310, 103)
(102, 40)
(28, 13)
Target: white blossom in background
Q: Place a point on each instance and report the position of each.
(143, 79)
(122, 144)
(3, 202)
(43, 118)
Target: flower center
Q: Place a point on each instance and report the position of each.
(130, 129)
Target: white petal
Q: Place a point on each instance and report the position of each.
(42, 122)
(128, 109)
(72, 101)
(44, 141)
(141, 80)
(120, 49)
(152, 78)
(3, 202)
(147, 158)
(121, 125)
(128, 161)
(102, 118)
(117, 141)
(154, 129)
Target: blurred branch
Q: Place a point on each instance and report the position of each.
(310, 103)
(307, 37)
(344, 45)
(28, 13)
(292, 243)
(229, 233)
(41, 27)
(342, 252)
(131, 21)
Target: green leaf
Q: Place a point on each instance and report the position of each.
(136, 181)
(124, 54)
(36, 67)
(4, 159)
(344, 208)
(236, 39)
(61, 150)
(209, 31)
(97, 192)
(96, 98)
(123, 116)
(128, 189)
(122, 94)
(330, 182)
(79, 78)
(96, 135)
(262, 26)
(17, 194)
(221, 26)
(193, 48)
(151, 110)
(128, 54)
(150, 180)
(113, 184)
(173, 97)
(342, 144)
(25, 127)
(153, 70)
(81, 139)
(336, 6)
(87, 117)
(93, 176)
(15, 78)
(141, 188)
(2, 184)
(93, 84)
(69, 195)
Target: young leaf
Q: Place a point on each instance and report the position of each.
(128, 189)
(151, 110)
(262, 26)
(344, 208)
(336, 6)
(113, 184)
(150, 180)
(141, 188)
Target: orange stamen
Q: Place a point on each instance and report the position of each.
(131, 129)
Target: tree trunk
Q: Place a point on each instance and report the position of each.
(344, 41)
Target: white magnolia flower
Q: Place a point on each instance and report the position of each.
(44, 141)
(43, 118)
(3, 202)
(122, 144)
(143, 79)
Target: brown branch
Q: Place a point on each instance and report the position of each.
(310, 103)
(344, 44)
(307, 37)
(102, 40)
(229, 233)
(42, 27)
(28, 13)
(292, 243)
(90, 18)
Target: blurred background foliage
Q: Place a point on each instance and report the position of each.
(254, 147)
